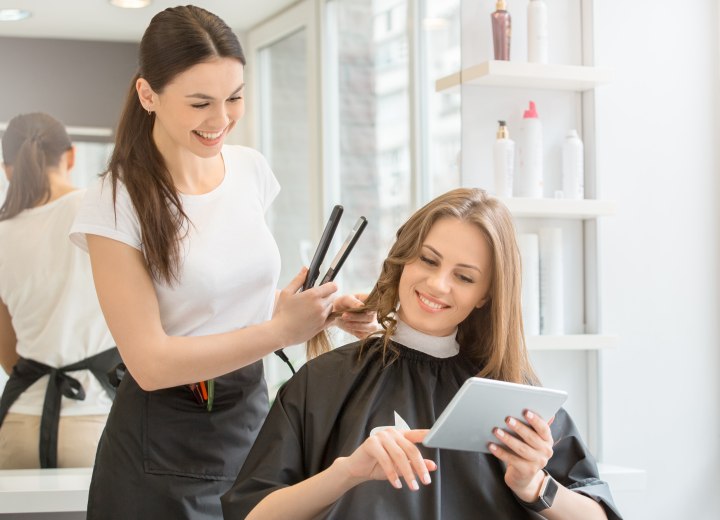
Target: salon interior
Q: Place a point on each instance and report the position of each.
(381, 105)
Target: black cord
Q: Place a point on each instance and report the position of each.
(281, 354)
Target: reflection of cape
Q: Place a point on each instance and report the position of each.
(330, 407)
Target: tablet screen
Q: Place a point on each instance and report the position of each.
(482, 405)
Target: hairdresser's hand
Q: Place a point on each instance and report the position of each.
(359, 324)
(524, 456)
(388, 455)
(299, 316)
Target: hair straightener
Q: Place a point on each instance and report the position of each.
(337, 262)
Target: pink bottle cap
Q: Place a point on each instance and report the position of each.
(531, 112)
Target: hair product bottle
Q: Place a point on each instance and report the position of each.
(552, 306)
(501, 29)
(504, 161)
(530, 295)
(537, 31)
(573, 174)
(528, 181)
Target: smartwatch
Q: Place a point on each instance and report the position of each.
(548, 490)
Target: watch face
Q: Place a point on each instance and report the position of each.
(547, 496)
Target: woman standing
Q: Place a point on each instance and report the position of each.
(53, 339)
(185, 269)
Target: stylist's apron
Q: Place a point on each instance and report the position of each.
(164, 456)
(60, 383)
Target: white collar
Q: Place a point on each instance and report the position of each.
(436, 346)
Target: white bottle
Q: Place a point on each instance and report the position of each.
(573, 174)
(552, 306)
(530, 292)
(529, 177)
(504, 160)
(537, 31)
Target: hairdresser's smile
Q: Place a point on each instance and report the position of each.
(199, 108)
(211, 138)
(450, 278)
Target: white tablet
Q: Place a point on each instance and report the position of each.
(481, 405)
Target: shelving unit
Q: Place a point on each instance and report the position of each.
(559, 208)
(491, 89)
(572, 342)
(527, 75)
(623, 479)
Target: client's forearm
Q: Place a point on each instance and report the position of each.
(569, 505)
(307, 499)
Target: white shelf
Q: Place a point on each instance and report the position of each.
(44, 490)
(572, 342)
(623, 479)
(527, 75)
(559, 208)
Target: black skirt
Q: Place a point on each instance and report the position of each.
(162, 455)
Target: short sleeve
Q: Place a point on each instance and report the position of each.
(269, 185)
(100, 215)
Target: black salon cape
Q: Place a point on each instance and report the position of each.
(329, 408)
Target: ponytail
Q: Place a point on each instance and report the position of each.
(32, 143)
(137, 162)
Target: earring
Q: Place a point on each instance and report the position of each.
(149, 112)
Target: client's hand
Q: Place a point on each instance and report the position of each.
(526, 455)
(390, 454)
(359, 324)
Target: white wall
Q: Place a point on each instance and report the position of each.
(657, 142)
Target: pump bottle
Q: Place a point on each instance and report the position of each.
(504, 161)
(501, 30)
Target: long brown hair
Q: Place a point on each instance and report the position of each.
(176, 39)
(32, 144)
(492, 335)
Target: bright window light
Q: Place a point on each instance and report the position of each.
(13, 15)
(130, 4)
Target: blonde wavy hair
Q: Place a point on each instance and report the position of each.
(492, 335)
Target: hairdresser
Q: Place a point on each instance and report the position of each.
(186, 271)
(54, 342)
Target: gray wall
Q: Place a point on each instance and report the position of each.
(81, 83)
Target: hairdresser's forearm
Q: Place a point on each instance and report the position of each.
(307, 499)
(155, 359)
(168, 361)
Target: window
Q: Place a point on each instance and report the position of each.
(367, 107)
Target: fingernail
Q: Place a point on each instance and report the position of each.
(529, 414)
(511, 421)
(397, 484)
(426, 479)
(414, 485)
(500, 432)
(492, 447)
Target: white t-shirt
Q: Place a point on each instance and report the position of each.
(47, 286)
(230, 261)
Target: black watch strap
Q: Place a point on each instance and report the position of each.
(547, 495)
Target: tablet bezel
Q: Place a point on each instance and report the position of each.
(481, 405)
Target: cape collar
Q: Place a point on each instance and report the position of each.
(436, 346)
